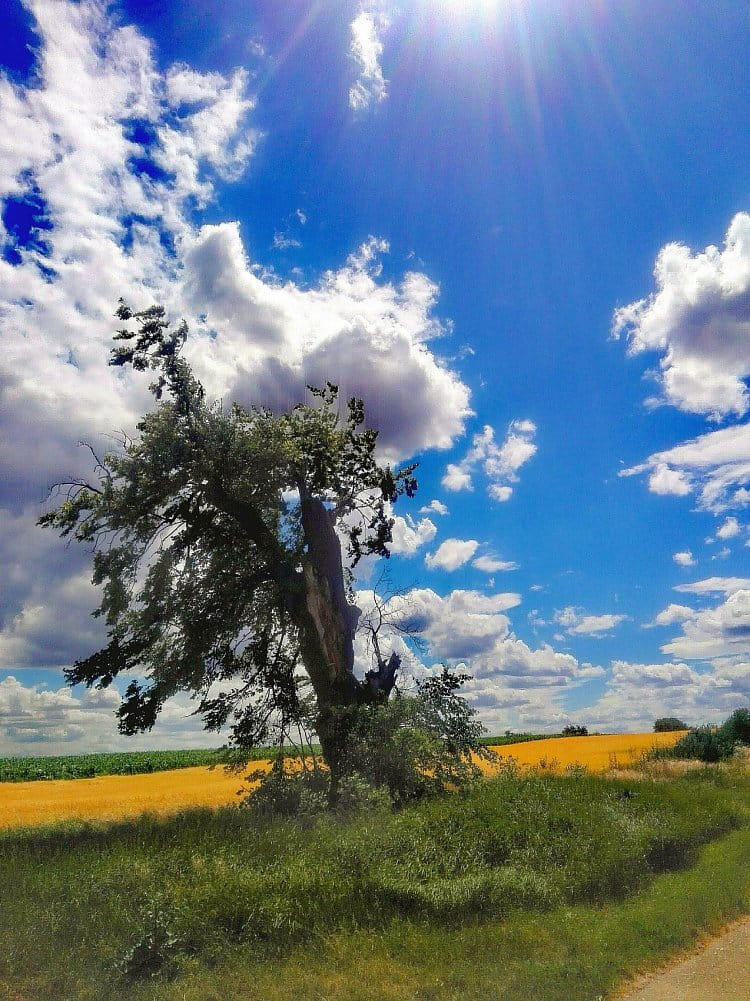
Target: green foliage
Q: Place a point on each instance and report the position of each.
(669, 724)
(418, 745)
(302, 795)
(703, 743)
(575, 731)
(710, 743)
(736, 729)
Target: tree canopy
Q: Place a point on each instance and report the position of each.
(666, 724)
(224, 542)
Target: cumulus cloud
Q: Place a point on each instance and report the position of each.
(472, 627)
(576, 623)
(366, 49)
(660, 675)
(109, 156)
(684, 558)
(500, 462)
(409, 535)
(729, 529)
(698, 320)
(511, 683)
(35, 719)
(451, 554)
(672, 614)
(715, 632)
(434, 507)
(369, 337)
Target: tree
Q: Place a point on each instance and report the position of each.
(667, 724)
(575, 731)
(217, 537)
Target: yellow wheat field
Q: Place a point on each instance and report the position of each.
(597, 754)
(112, 797)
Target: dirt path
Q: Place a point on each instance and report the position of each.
(718, 971)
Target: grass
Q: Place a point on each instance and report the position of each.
(511, 877)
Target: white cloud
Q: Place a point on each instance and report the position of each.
(369, 337)
(490, 564)
(434, 507)
(408, 536)
(456, 478)
(684, 558)
(500, 493)
(658, 675)
(366, 49)
(729, 529)
(698, 320)
(499, 462)
(577, 623)
(674, 613)
(666, 481)
(715, 585)
(715, 465)
(715, 632)
(451, 554)
(37, 719)
(117, 155)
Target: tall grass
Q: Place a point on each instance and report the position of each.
(153, 897)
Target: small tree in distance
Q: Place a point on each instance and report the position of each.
(575, 731)
(217, 540)
(668, 724)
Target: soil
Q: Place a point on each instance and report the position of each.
(717, 971)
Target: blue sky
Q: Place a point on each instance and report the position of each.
(518, 229)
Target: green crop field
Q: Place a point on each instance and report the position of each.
(80, 766)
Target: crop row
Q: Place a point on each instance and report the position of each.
(73, 766)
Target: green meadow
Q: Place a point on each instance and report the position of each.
(527, 886)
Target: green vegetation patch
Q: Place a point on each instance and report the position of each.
(158, 898)
(86, 766)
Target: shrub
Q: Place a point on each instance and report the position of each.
(703, 743)
(407, 747)
(736, 729)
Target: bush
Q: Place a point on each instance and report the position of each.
(418, 745)
(668, 724)
(703, 743)
(405, 748)
(736, 729)
(303, 795)
(710, 743)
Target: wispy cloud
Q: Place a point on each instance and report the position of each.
(366, 49)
